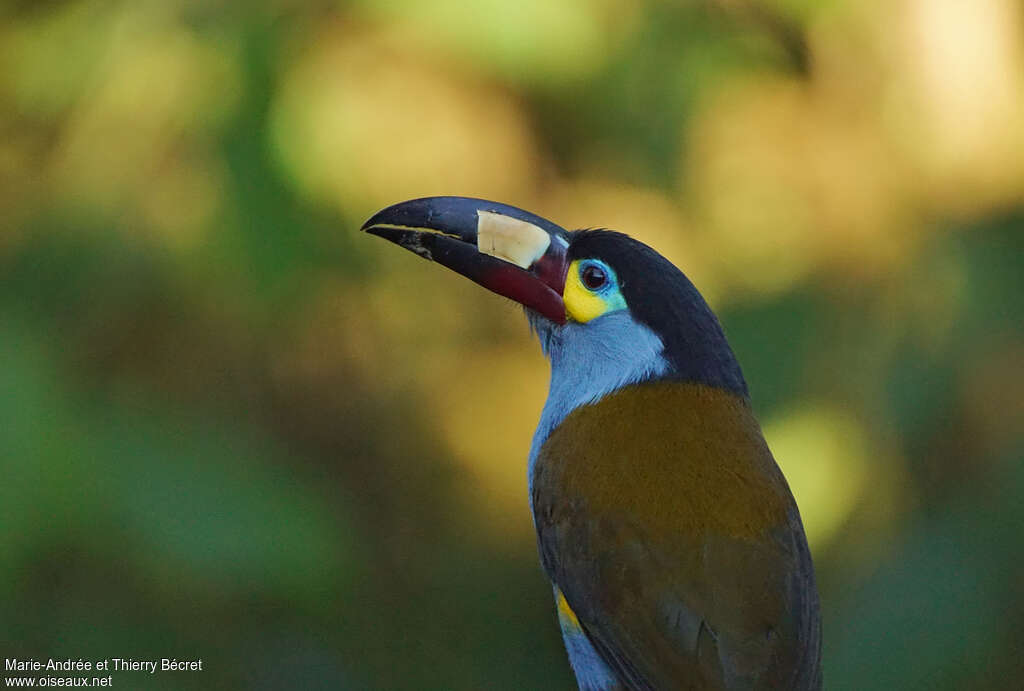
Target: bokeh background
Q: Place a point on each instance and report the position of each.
(231, 427)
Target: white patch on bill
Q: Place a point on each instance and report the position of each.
(510, 239)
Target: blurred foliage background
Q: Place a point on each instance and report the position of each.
(233, 428)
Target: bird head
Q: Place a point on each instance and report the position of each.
(608, 309)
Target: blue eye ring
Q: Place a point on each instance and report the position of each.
(596, 276)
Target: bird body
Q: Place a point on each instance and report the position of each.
(673, 543)
(669, 531)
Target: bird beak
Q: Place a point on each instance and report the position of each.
(506, 250)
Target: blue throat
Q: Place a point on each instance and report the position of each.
(589, 361)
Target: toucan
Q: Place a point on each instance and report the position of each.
(674, 546)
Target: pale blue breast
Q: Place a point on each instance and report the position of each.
(589, 361)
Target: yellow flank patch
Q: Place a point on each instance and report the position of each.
(565, 614)
(581, 304)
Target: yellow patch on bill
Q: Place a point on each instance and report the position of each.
(414, 229)
(511, 239)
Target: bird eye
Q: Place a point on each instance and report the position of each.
(594, 277)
